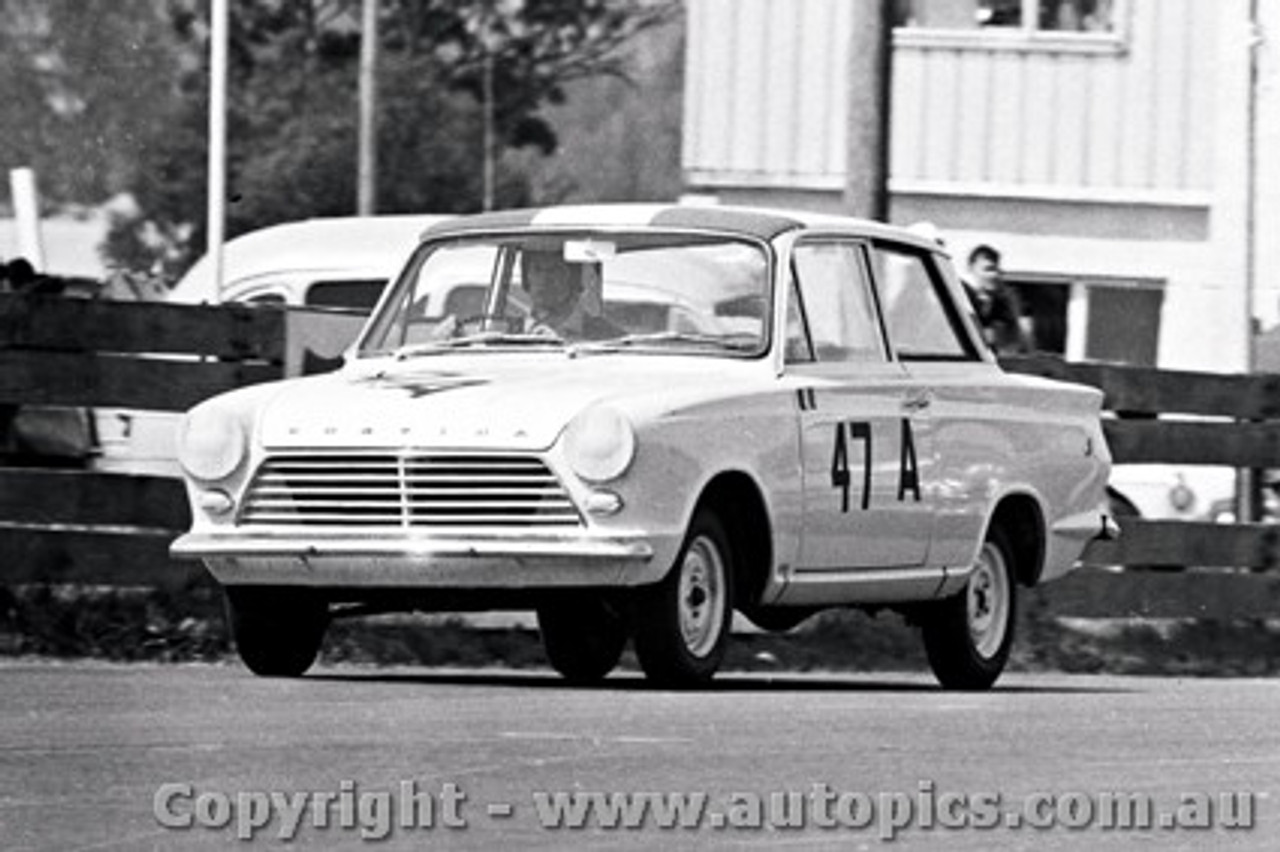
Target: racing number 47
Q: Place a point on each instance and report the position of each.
(860, 430)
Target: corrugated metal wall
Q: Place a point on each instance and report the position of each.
(766, 103)
(765, 89)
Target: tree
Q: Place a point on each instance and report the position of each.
(85, 83)
(292, 109)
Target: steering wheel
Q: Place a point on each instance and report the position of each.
(510, 324)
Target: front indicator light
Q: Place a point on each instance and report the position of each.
(603, 503)
(215, 502)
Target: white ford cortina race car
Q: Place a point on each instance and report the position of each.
(812, 422)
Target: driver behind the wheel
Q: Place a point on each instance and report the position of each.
(556, 288)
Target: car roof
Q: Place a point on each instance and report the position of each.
(760, 222)
(341, 246)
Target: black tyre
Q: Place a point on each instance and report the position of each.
(583, 636)
(277, 631)
(968, 637)
(682, 623)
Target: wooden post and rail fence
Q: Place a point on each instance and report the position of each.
(89, 527)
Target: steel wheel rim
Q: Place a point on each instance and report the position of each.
(988, 602)
(701, 600)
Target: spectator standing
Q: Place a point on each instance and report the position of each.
(23, 278)
(996, 304)
(20, 275)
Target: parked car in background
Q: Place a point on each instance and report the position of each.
(1172, 492)
(339, 263)
(835, 437)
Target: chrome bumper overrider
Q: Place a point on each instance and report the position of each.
(469, 561)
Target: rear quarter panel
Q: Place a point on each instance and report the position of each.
(997, 435)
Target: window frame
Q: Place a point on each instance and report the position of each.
(871, 293)
(1027, 37)
(322, 284)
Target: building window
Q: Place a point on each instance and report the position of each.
(1092, 318)
(1014, 23)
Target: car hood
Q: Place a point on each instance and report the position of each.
(521, 402)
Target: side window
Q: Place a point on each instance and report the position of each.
(922, 322)
(799, 346)
(836, 299)
(359, 295)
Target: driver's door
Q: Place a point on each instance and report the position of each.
(862, 445)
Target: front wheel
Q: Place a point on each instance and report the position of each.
(277, 631)
(968, 637)
(682, 623)
(583, 637)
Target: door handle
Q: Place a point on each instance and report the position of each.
(917, 401)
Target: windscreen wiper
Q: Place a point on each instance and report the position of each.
(695, 338)
(484, 338)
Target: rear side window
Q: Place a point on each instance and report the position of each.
(922, 321)
(359, 295)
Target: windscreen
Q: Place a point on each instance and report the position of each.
(644, 290)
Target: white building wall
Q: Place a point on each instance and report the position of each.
(1092, 116)
(1074, 158)
(1267, 180)
(766, 101)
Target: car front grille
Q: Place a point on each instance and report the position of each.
(408, 491)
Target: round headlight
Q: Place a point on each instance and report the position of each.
(600, 444)
(212, 443)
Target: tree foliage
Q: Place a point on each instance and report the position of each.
(292, 103)
(85, 83)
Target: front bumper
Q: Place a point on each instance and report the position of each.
(521, 561)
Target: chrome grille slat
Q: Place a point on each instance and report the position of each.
(493, 478)
(371, 478)
(413, 491)
(283, 486)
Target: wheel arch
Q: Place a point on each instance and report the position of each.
(1022, 518)
(739, 504)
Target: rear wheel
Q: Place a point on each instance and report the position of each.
(682, 623)
(968, 637)
(277, 631)
(583, 636)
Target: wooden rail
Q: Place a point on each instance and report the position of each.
(88, 527)
(80, 526)
(1178, 417)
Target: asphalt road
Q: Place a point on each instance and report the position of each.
(99, 756)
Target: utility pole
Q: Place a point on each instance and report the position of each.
(1249, 482)
(490, 153)
(217, 138)
(866, 192)
(485, 29)
(367, 168)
